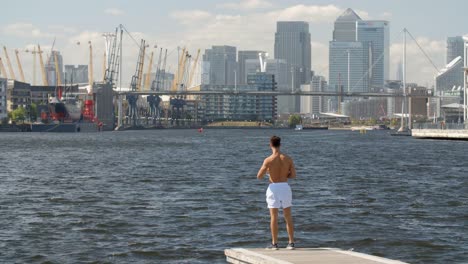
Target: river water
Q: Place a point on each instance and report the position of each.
(178, 196)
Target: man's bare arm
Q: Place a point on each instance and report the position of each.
(292, 171)
(262, 170)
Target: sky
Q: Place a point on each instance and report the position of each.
(246, 24)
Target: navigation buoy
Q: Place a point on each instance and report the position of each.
(200, 130)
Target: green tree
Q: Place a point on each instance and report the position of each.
(19, 114)
(33, 112)
(294, 120)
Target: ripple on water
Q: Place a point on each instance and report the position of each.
(175, 196)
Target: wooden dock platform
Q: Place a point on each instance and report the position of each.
(302, 256)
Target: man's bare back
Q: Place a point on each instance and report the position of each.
(279, 166)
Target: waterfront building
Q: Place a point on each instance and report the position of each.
(243, 56)
(313, 105)
(292, 44)
(50, 68)
(222, 64)
(393, 86)
(451, 76)
(365, 108)
(377, 35)
(18, 94)
(454, 48)
(3, 98)
(243, 107)
(279, 68)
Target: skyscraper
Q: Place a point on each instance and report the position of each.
(454, 48)
(361, 48)
(345, 26)
(222, 64)
(356, 56)
(50, 68)
(292, 44)
(377, 35)
(244, 55)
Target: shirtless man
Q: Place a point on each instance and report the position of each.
(279, 195)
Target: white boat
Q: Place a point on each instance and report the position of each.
(299, 127)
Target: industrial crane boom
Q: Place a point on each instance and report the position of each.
(192, 73)
(19, 66)
(45, 82)
(2, 69)
(148, 73)
(57, 72)
(175, 82)
(12, 73)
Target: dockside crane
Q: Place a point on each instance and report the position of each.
(155, 100)
(45, 82)
(148, 72)
(113, 63)
(20, 67)
(3, 70)
(10, 68)
(135, 85)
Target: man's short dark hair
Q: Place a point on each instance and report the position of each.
(275, 141)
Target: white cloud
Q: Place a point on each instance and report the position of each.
(114, 11)
(246, 5)
(190, 17)
(310, 13)
(24, 30)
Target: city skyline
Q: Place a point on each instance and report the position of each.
(248, 25)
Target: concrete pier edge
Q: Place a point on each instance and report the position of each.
(305, 255)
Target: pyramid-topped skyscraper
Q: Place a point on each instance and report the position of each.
(345, 26)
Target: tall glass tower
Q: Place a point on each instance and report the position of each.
(292, 44)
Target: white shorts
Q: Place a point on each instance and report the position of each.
(279, 195)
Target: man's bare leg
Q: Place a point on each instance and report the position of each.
(289, 223)
(274, 225)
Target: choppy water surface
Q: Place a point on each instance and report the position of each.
(177, 196)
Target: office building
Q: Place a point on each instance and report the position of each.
(292, 44)
(241, 107)
(313, 105)
(50, 68)
(352, 57)
(76, 74)
(454, 48)
(345, 26)
(360, 48)
(377, 36)
(222, 64)
(451, 76)
(3, 98)
(279, 68)
(243, 56)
